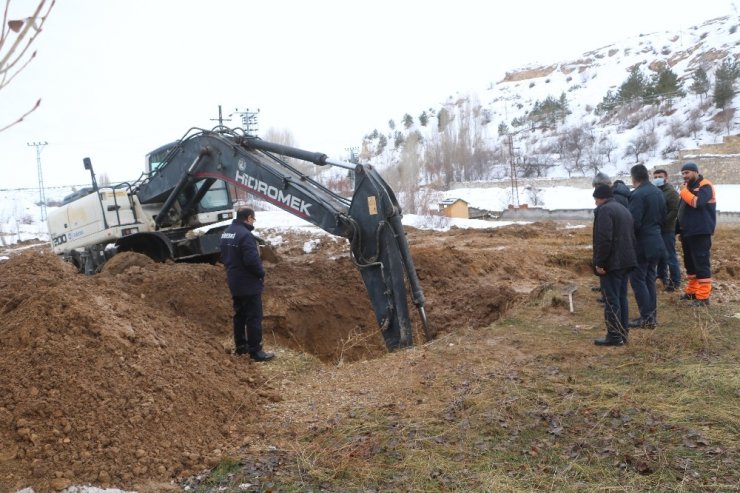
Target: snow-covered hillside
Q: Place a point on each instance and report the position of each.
(483, 136)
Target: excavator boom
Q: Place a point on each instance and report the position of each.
(371, 220)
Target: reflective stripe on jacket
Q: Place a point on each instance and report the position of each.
(697, 213)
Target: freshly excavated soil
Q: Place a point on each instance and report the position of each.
(105, 380)
(126, 378)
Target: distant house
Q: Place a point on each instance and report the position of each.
(454, 208)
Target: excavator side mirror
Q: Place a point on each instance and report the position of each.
(88, 165)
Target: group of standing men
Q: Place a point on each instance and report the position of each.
(634, 240)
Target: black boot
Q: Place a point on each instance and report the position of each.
(611, 339)
(642, 323)
(261, 356)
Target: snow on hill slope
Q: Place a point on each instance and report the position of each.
(481, 137)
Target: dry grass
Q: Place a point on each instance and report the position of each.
(527, 404)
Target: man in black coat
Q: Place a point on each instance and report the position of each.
(648, 210)
(245, 276)
(613, 258)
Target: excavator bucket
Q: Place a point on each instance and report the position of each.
(381, 252)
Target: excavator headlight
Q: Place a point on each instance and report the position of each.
(129, 231)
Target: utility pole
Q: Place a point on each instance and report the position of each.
(42, 195)
(514, 184)
(220, 119)
(353, 158)
(249, 120)
(352, 154)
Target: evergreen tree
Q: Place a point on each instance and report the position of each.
(728, 70)
(407, 120)
(723, 92)
(382, 142)
(503, 129)
(518, 121)
(564, 110)
(546, 113)
(423, 119)
(700, 86)
(666, 85)
(724, 82)
(635, 87)
(608, 103)
(391, 124)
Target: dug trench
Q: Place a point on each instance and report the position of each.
(126, 378)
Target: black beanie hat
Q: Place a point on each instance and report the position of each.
(690, 167)
(603, 192)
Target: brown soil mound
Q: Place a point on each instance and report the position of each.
(103, 383)
(121, 262)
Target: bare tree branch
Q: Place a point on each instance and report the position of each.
(22, 116)
(14, 60)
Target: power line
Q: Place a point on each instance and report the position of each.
(42, 195)
(220, 119)
(249, 120)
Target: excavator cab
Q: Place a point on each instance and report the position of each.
(202, 197)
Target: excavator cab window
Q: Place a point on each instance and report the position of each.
(216, 198)
(155, 159)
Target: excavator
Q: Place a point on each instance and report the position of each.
(180, 205)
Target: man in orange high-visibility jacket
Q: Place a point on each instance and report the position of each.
(697, 217)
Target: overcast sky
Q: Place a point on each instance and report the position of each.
(120, 78)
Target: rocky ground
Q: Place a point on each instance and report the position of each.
(126, 378)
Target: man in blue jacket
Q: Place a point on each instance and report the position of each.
(648, 210)
(697, 218)
(613, 259)
(245, 276)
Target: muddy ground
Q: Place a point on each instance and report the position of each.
(126, 378)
